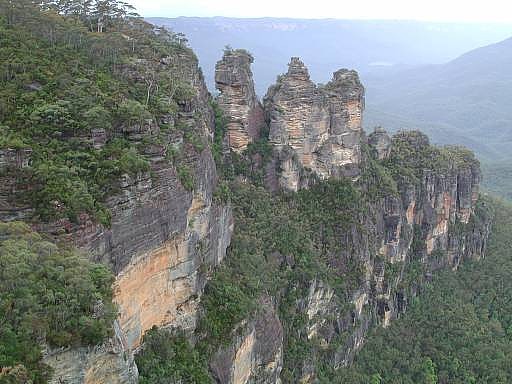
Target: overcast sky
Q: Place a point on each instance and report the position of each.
(432, 10)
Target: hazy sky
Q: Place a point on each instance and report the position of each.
(433, 10)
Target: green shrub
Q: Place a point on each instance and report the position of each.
(186, 177)
(169, 358)
(48, 293)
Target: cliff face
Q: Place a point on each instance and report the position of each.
(415, 211)
(256, 355)
(420, 214)
(164, 237)
(233, 78)
(315, 128)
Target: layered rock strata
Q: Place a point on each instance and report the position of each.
(315, 129)
(238, 100)
(164, 237)
(428, 222)
(256, 356)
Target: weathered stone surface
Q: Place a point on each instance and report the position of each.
(164, 239)
(164, 286)
(256, 354)
(380, 141)
(432, 222)
(12, 162)
(322, 125)
(237, 99)
(110, 362)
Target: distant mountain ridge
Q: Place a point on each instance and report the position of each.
(467, 100)
(452, 81)
(327, 45)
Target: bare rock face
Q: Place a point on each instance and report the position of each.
(256, 355)
(380, 141)
(110, 362)
(164, 237)
(237, 99)
(322, 125)
(12, 161)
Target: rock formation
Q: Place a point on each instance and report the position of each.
(256, 356)
(237, 99)
(315, 133)
(167, 237)
(315, 128)
(12, 161)
(381, 142)
(164, 239)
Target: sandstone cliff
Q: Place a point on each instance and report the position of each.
(419, 214)
(386, 214)
(237, 99)
(315, 128)
(424, 219)
(164, 237)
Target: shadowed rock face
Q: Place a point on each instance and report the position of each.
(381, 142)
(256, 356)
(237, 99)
(165, 240)
(322, 125)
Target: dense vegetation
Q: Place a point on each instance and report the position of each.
(48, 294)
(168, 357)
(80, 81)
(457, 331)
(284, 241)
(74, 84)
(73, 74)
(498, 178)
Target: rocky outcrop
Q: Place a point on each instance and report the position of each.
(421, 215)
(237, 99)
(13, 161)
(256, 355)
(165, 237)
(110, 362)
(315, 129)
(380, 141)
(431, 223)
(167, 233)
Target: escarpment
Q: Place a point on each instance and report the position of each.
(151, 216)
(165, 235)
(416, 211)
(268, 264)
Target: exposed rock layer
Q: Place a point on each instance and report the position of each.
(237, 99)
(164, 239)
(315, 128)
(315, 133)
(257, 353)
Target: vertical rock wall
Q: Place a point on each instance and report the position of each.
(313, 128)
(164, 239)
(429, 222)
(237, 99)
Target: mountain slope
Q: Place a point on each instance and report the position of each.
(468, 97)
(465, 338)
